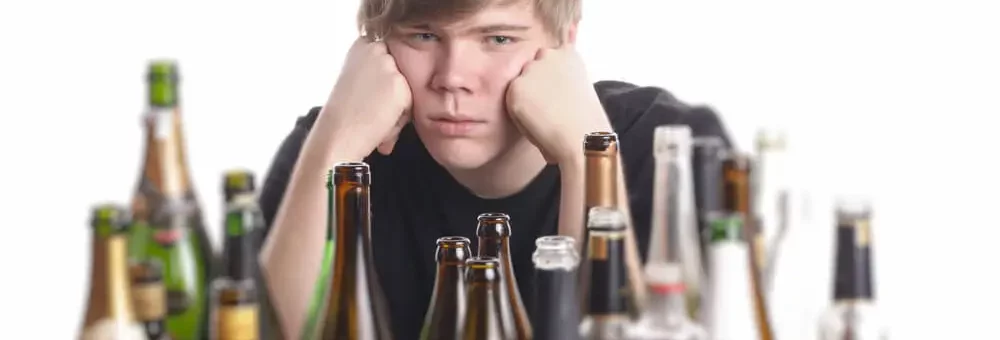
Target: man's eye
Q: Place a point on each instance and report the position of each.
(501, 40)
(424, 36)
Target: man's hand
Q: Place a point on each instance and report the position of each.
(554, 104)
(370, 103)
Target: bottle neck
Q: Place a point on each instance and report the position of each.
(601, 178)
(853, 269)
(109, 281)
(667, 303)
(608, 278)
(165, 164)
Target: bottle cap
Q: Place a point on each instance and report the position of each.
(110, 215)
(237, 182)
(670, 139)
(606, 219)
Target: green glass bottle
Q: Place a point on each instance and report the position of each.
(168, 224)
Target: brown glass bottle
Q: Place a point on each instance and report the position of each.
(485, 317)
(447, 307)
(110, 312)
(355, 306)
(236, 312)
(601, 190)
(737, 169)
(493, 232)
(607, 308)
(150, 297)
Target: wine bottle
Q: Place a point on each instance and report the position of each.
(485, 318)
(236, 312)
(854, 314)
(110, 312)
(355, 307)
(447, 307)
(731, 314)
(555, 312)
(169, 226)
(493, 232)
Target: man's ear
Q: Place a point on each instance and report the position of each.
(571, 33)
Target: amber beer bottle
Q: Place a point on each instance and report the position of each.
(493, 232)
(355, 306)
(736, 178)
(110, 310)
(447, 307)
(236, 314)
(485, 317)
(607, 313)
(601, 190)
(150, 298)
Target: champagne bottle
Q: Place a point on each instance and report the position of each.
(355, 306)
(607, 313)
(854, 314)
(674, 231)
(485, 318)
(244, 224)
(555, 313)
(236, 313)
(110, 310)
(666, 316)
(493, 232)
(601, 190)
(737, 172)
(447, 307)
(731, 314)
(168, 219)
(150, 298)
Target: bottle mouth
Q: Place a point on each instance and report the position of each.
(493, 217)
(599, 141)
(453, 241)
(555, 242)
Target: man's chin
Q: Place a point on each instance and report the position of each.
(459, 154)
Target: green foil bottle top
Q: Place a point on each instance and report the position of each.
(163, 78)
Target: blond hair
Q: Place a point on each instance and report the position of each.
(376, 18)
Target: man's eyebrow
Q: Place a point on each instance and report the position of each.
(498, 28)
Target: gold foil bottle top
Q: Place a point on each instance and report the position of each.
(600, 141)
(110, 218)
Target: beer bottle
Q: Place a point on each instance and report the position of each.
(607, 313)
(555, 312)
(167, 215)
(110, 310)
(731, 312)
(150, 298)
(493, 232)
(447, 305)
(485, 317)
(674, 230)
(236, 311)
(854, 314)
(737, 169)
(355, 307)
(601, 190)
(708, 153)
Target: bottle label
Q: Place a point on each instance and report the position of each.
(178, 302)
(164, 124)
(150, 301)
(112, 329)
(238, 323)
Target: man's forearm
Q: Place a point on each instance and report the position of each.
(292, 255)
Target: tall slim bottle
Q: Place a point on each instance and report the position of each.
(607, 315)
(493, 232)
(707, 155)
(674, 231)
(447, 307)
(737, 172)
(485, 318)
(732, 314)
(355, 307)
(244, 224)
(555, 312)
(168, 218)
(150, 298)
(110, 311)
(235, 311)
(666, 316)
(601, 169)
(771, 195)
(854, 314)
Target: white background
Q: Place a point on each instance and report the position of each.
(894, 100)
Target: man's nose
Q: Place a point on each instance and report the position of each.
(452, 71)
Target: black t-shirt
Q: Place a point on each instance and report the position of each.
(415, 200)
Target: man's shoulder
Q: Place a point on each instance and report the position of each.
(636, 110)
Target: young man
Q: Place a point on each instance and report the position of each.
(459, 107)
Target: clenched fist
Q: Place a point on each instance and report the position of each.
(369, 104)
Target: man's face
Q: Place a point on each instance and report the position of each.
(458, 73)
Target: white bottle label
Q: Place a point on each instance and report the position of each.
(111, 329)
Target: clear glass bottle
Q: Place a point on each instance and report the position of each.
(666, 315)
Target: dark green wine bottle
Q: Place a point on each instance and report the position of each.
(168, 223)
